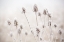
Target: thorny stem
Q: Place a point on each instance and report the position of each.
(29, 24)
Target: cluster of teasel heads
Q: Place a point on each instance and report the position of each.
(35, 9)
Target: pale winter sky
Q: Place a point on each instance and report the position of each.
(9, 8)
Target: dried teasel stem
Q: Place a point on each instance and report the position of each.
(49, 24)
(45, 13)
(23, 10)
(35, 10)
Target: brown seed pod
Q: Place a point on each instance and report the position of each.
(19, 31)
(9, 23)
(21, 27)
(40, 38)
(15, 23)
(49, 15)
(44, 12)
(55, 25)
(23, 10)
(39, 14)
(35, 8)
(49, 24)
(38, 31)
(60, 32)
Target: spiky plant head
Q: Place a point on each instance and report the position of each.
(60, 32)
(38, 31)
(35, 8)
(9, 23)
(23, 10)
(21, 27)
(39, 14)
(15, 23)
(49, 15)
(44, 12)
(19, 31)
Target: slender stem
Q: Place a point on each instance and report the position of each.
(36, 19)
(44, 21)
(29, 25)
(27, 21)
(16, 27)
(50, 30)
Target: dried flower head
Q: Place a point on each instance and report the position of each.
(44, 12)
(19, 31)
(49, 15)
(32, 32)
(60, 32)
(40, 38)
(9, 23)
(23, 10)
(15, 23)
(39, 14)
(49, 23)
(21, 27)
(26, 33)
(35, 8)
(38, 31)
(55, 25)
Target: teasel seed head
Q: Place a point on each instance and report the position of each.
(40, 38)
(38, 31)
(39, 14)
(19, 31)
(15, 23)
(44, 12)
(49, 15)
(9, 23)
(60, 32)
(55, 25)
(35, 8)
(23, 10)
(21, 27)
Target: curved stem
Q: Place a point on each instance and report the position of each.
(28, 22)
(29, 25)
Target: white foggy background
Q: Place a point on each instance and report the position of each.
(12, 9)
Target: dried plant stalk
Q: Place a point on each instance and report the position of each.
(23, 9)
(45, 13)
(35, 10)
